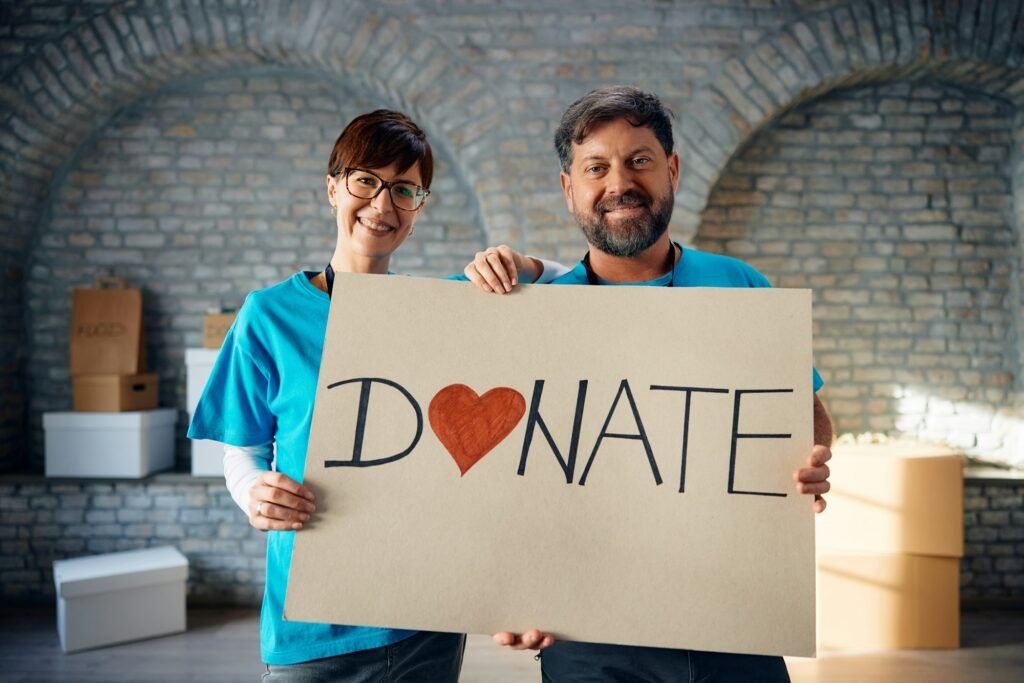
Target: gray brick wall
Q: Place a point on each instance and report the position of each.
(894, 204)
(45, 520)
(488, 80)
(993, 562)
(199, 195)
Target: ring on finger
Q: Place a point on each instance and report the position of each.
(259, 509)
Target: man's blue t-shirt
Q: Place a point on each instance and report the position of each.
(694, 269)
(261, 389)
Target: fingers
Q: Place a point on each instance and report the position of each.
(531, 640)
(819, 456)
(277, 502)
(819, 504)
(816, 489)
(812, 475)
(494, 270)
(283, 481)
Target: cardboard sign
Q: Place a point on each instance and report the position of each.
(610, 464)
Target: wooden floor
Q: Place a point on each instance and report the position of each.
(221, 645)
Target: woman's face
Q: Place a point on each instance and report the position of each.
(372, 228)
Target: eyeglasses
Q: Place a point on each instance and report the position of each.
(366, 185)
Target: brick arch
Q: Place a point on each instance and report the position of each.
(53, 100)
(66, 89)
(850, 44)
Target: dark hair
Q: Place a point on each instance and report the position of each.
(609, 104)
(379, 139)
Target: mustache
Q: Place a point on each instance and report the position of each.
(628, 199)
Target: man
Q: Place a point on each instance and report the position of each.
(619, 178)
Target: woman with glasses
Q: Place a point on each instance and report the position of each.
(259, 399)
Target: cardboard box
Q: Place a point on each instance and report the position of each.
(215, 328)
(198, 366)
(118, 597)
(903, 497)
(115, 393)
(207, 458)
(126, 445)
(106, 331)
(888, 601)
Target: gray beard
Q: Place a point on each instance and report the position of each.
(633, 236)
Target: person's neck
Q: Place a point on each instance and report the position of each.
(645, 266)
(343, 262)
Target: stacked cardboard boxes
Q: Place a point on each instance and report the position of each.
(108, 363)
(889, 548)
(116, 430)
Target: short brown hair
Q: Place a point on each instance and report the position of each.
(381, 138)
(610, 104)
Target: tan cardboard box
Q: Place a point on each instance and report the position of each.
(903, 497)
(106, 330)
(115, 393)
(883, 602)
(215, 328)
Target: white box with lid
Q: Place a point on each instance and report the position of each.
(118, 597)
(128, 445)
(207, 456)
(198, 366)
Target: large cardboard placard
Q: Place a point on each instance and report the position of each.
(624, 477)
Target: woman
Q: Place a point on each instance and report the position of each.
(260, 397)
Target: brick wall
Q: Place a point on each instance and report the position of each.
(101, 93)
(993, 563)
(199, 195)
(43, 520)
(894, 204)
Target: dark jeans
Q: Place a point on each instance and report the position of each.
(423, 658)
(573, 662)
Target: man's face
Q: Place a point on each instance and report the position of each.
(621, 187)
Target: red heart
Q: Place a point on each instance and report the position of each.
(468, 425)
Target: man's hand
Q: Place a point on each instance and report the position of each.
(499, 269)
(279, 503)
(813, 479)
(531, 640)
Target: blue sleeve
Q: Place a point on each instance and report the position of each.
(818, 381)
(234, 407)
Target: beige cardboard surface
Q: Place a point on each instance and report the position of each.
(888, 601)
(898, 498)
(215, 328)
(106, 332)
(115, 393)
(444, 539)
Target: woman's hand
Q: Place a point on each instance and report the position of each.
(279, 503)
(499, 269)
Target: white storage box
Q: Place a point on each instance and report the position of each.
(207, 458)
(198, 365)
(117, 597)
(126, 445)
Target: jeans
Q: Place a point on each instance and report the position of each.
(423, 658)
(573, 662)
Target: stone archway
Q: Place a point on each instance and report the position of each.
(843, 46)
(861, 45)
(55, 98)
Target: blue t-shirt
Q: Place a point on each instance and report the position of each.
(694, 269)
(261, 389)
